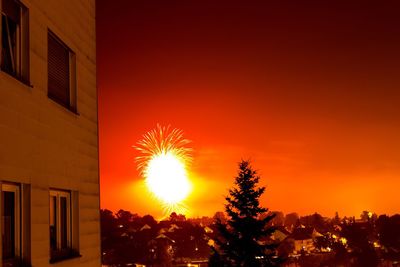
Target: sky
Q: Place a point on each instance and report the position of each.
(308, 91)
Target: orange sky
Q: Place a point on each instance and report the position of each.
(310, 93)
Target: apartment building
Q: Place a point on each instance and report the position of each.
(49, 179)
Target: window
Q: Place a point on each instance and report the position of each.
(10, 224)
(61, 226)
(14, 39)
(61, 73)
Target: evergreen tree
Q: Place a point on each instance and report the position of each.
(244, 239)
(336, 219)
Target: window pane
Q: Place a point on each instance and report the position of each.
(8, 222)
(63, 222)
(60, 231)
(53, 223)
(9, 45)
(14, 46)
(11, 9)
(58, 71)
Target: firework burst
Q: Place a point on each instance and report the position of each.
(163, 163)
(162, 141)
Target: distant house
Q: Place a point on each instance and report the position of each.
(208, 230)
(173, 227)
(211, 242)
(161, 249)
(145, 227)
(303, 239)
(165, 239)
(280, 234)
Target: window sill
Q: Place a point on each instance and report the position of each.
(59, 256)
(18, 79)
(15, 262)
(69, 108)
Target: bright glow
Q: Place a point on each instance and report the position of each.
(163, 163)
(167, 179)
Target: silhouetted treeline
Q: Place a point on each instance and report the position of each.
(128, 238)
(314, 240)
(311, 240)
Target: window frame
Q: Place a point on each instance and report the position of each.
(16, 189)
(22, 61)
(72, 91)
(58, 194)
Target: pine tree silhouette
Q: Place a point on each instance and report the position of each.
(244, 239)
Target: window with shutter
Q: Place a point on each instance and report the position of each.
(61, 74)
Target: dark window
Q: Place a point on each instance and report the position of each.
(63, 223)
(61, 76)
(10, 225)
(61, 226)
(8, 200)
(53, 222)
(14, 35)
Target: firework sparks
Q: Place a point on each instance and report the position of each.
(163, 162)
(162, 141)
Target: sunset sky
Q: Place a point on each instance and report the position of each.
(309, 91)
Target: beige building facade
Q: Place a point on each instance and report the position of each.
(49, 168)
